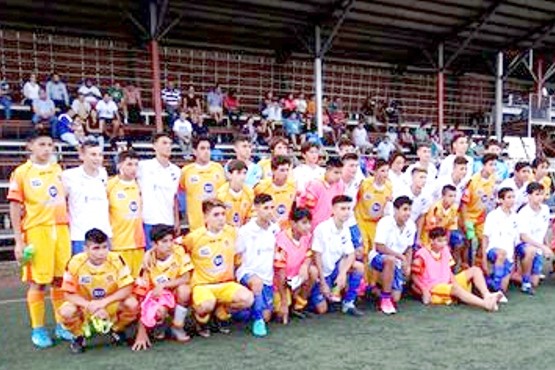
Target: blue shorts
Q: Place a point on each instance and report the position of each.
(537, 262)
(492, 257)
(267, 293)
(398, 276)
(356, 236)
(456, 239)
(316, 296)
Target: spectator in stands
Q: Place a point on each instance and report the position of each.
(289, 105)
(191, 102)
(263, 132)
(199, 128)
(108, 115)
(132, 103)
(82, 108)
(311, 108)
(232, 107)
(265, 102)
(94, 129)
(385, 148)
(406, 140)
(65, 128)
(183, 130)
(301, 104)
(90, 92)
(171, 97)
(57, 91)
(338, 118)
(273, 112)
(292, 125)
(116, 92)
(360, 138)
(215, 103)
(421, 133)
(31, 90)
(6, 98)
(44, 112)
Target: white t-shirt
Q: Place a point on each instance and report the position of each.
(421, 203)
(430, 177)
(303, 174)
(158, 189)
(532, 223)
(257, 247)
(446, 168)
(398, 181)
(396, 238)
(87, 202)
(106, 110)
(301, 105)
(332, 243)
(351, 190)
(360, 136)
(502, 231)
(31, 91)
(437, 188)
(91, 94)
(182, 127)
(521, 196)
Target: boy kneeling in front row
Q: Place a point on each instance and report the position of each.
(97, 286)
(435, 282)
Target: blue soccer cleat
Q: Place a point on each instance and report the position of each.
(40, 338)
(62, 333)
(259, 328)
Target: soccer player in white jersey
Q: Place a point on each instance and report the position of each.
(518, 183)
(352, 178)
(501, 235)
(256, 242)
(395, 173)
(87, 198)
(459, 146)
(159, 180)
(309, 170)
(460, 169)
(392, 252)
(424, 153)
(533, 222)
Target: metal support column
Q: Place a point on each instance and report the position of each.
(540, 83)
(499, 97)
(156, 91)
(318, 81)
(440, 91)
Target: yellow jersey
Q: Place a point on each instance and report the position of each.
(371, 200)
(39, 188)
(545, 181)
(478, 198)
(124, 198)
(438, 216)
(213, 255)
(96, 282)
(172, 268)
(238, 205)
(283, 196)
(200, 183)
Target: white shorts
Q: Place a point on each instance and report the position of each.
(215, 110)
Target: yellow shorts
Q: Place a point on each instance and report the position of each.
(222, 292)
(368, 232)
(133, 259)
(441, 293)
(52, 246)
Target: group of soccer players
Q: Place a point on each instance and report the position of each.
(267, 240)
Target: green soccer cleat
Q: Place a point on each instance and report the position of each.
(259, 328)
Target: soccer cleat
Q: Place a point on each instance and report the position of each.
(203, 330)
(117, 338)
(503, 298)
(387, 306)
(335, 295)
(542, 276)
(159, 331)
(349, 308)
(220, 326)
(77, 345)
(527, 288)
(299, 314)
(180, 335)
(62, 333)
(259, 328)
(40, 338)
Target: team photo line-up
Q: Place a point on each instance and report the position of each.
(267, 240)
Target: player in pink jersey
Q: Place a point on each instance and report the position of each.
(434, 281)
(319, 192)
(294, 272)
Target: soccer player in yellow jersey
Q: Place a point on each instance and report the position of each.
(212, 250)
(124, 198)
(39, 218)
(167, 273)
(237, 196)
(280, 187)
(97, 285)
(278, 146)
(374, 194)
(200, 180)
(540, 167)
(477, 201)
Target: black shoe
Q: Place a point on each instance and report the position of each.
(299, 314)
(77, 345)
(222, 327)
(117, 338)
(159, 332)
(203, 330)
(352, 310)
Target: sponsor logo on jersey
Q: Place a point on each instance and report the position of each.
(53, 191)
(204, 251)
(218, 260)
(120, 195)
(98, 293)
(376, 207)
(161, 279)
(133, 206)
(35, 183)
(208, 187)
(194, 179)
(236, 218)
(281, 209)
(85, 279)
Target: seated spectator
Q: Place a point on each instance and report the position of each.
(263, 132)
(215, 100)
(191, 102)
(385, 148)
(57, 92)
(183, 130)
(82, 108)
(266, 101)
(79, 129)
(65, 128)
(108, 115)
(90, 92)
(132, 103)
(44, 112)
(360, 138)
(199, 128)
(421, 134)
(289, 105)
(94, 129)
(301, 104)
(232, 107)
(171, 98)
(31, 90)
(292, 125)
(116, 92)
(273, 112)
(6, 98)
(406, 140)
(338, 118)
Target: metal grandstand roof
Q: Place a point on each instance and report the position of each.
(405, 32)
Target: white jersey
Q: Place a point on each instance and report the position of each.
(421, 203)
(87, 202)
(398, 181)
(106, 110)
(351, 190)
(430, 177)
(158, 186)
(446, 168)
(502, 231)
(257, 249)
(303, 174)
(332, 243)
(534, 223)
(438, 185)
(389, 234)
(521, 196)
